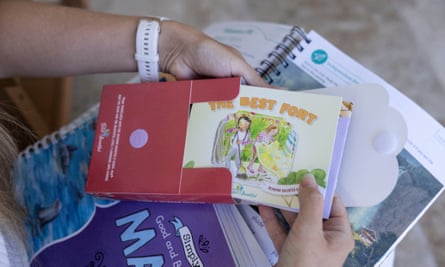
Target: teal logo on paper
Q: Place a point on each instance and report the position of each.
(319, 56)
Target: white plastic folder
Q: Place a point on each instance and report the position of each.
(377, 134)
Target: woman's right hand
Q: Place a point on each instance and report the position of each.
(311, 241)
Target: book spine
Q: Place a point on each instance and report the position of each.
(288, 47)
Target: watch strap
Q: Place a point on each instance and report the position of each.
(147, 58)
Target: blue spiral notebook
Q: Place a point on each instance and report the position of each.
(63, 220)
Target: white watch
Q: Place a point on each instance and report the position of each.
(147, 37)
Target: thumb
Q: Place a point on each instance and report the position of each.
(249, 75)
(311, 204)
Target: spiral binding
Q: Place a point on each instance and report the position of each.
(281, 51)
(60, 134)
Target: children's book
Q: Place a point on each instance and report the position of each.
(240, 144)
(289, 57)
(269, 140)
(68, 227)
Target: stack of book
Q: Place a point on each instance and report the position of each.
(116, 176)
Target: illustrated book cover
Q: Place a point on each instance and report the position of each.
(269, 140)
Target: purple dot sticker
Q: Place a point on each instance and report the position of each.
(138, 138)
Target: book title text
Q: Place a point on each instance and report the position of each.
(267, 104)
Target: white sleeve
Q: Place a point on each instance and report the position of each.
(12, 249)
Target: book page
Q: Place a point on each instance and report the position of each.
(426, 137)
(254, 40)
(377, 228)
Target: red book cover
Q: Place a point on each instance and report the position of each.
(140, 140)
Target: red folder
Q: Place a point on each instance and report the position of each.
(140, 140)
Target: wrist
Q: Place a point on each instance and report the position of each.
(178, 44)
(147, 55)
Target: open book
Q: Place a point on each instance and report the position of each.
(289, 57)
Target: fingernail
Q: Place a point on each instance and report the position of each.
(309, 181)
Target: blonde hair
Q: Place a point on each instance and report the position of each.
(11, 213)
(272, 127)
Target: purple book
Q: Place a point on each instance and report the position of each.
(144, 234)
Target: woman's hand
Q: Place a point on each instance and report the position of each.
(63, 41)
(187, 53)
(311, 241)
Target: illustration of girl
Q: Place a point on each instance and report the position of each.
(265, 137)
(240, 139)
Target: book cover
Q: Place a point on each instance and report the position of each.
(68, 227)
(303, 62)
(140, 140)
(269, 140)
(139, 234)
(151, 234)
